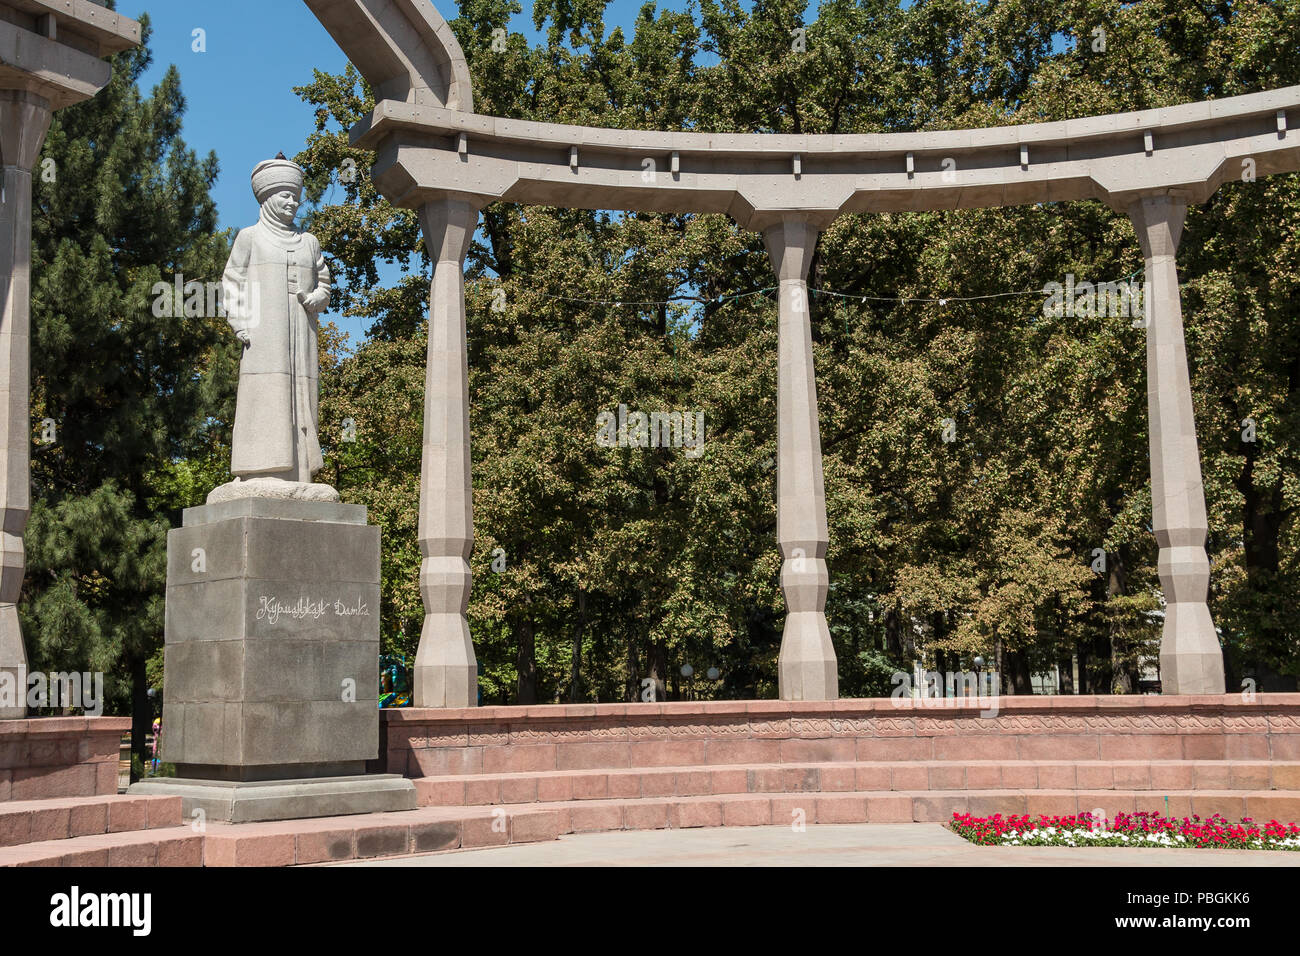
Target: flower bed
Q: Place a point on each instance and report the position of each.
(1136, 830)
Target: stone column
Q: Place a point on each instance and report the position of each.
(24, 121)
(446, 672)
(1191, 660)
(807, 661)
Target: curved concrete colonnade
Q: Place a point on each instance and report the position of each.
(436, 156)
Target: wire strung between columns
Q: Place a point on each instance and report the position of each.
(848, 296)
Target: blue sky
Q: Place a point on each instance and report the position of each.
(239, 92)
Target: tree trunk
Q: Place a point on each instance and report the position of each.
(575, 660)
(1116, 586)
(998, 665)
(633, 673)
(526, 663)
(1263, 514)
(893, 633)
(942, 658)
(1017, 663)
(141, 713)
(1065, 664)
(1103, 664)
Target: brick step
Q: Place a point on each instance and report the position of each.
(551, 786)
(167, 846)
(435, 829)
(62, 818)
(363, 836)
(291, 842)
(925, 806)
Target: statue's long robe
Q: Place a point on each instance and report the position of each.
(277, 402)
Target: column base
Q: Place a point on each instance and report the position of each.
(446, 671)
(1191, 658)
(807, 668)
(227, 801)
(13, 666)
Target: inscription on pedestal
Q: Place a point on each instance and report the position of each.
(270, 609)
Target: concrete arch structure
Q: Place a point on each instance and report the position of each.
(404, 49)
(435, 155)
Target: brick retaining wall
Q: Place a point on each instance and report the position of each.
(430, 742)
(42, 757)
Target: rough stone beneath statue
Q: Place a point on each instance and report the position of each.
(273, 488)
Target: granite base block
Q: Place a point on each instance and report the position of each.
(252, 801)
(272, 639)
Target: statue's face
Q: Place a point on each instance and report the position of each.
(284, 205)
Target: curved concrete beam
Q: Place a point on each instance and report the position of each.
(1191, 149)
(404, 49)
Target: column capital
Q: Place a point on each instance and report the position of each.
(790, 243)
(1158, 221)
(24, 121)
(448, 223)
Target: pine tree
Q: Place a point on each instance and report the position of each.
(128, 397)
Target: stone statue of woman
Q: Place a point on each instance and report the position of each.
(275, 285)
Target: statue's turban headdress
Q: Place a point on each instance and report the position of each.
(276, 175)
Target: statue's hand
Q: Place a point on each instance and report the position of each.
(242, 335)
(316, 301)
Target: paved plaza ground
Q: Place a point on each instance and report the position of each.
(901, 844)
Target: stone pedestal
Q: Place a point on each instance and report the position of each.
(270, 701)
(250, 801)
